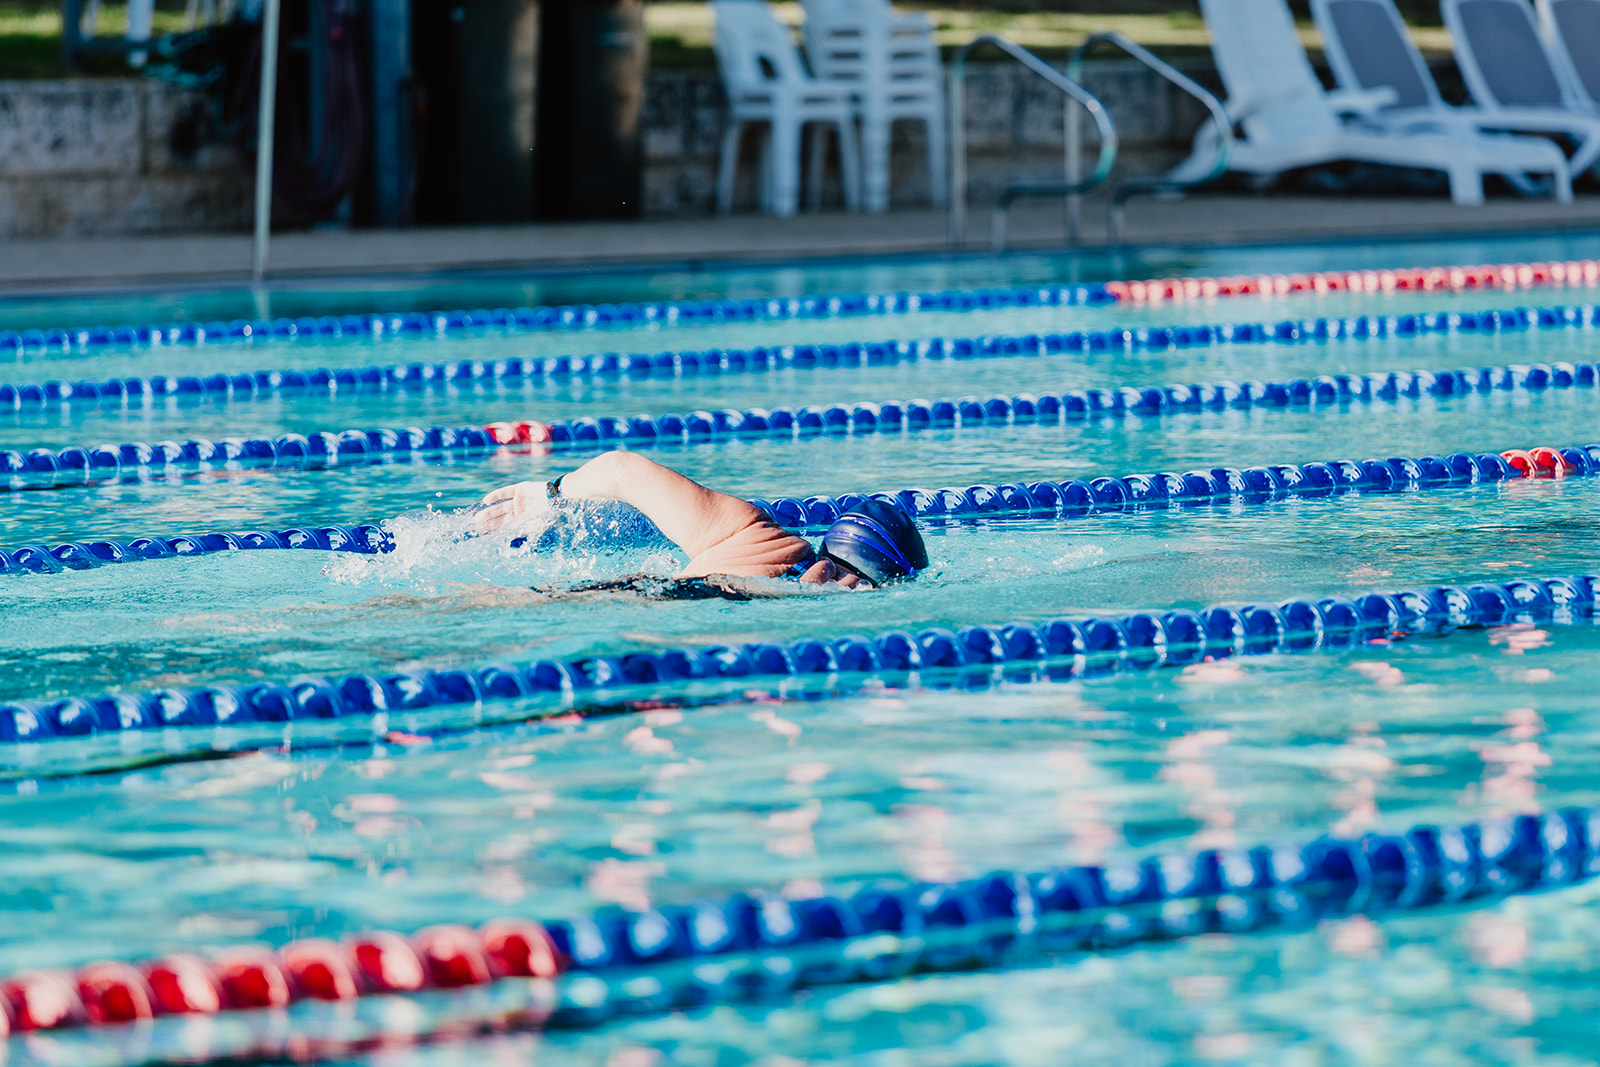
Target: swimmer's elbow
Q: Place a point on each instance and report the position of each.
(609, 476)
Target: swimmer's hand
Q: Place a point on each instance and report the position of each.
(515, 506)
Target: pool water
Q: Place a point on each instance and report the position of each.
(132, 846)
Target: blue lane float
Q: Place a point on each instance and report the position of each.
(886, 929)
(1059, 649)
(763, 944)
(358, 381)
(366, 539)
(44, 468)
(1077, 498)
(551, 319)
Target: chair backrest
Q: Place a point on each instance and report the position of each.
(1265, 69)
(754, 49)
(865, 41)
(1573, 27)
(1369, 47)
(839, 35)
(1502, 56)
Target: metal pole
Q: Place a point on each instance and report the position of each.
(958, 151)
(1074, 161)
(265, 118)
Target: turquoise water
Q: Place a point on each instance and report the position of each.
(731, 791)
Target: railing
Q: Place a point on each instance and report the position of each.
(958, 140)
(1157, 183)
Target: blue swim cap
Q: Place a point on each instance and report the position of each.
(877, 541)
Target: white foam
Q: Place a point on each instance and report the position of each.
(553, 546)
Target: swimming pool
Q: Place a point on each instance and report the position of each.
(134, 844)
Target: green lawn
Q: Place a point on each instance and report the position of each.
(30, 36)
(680, 30)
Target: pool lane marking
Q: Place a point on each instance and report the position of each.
(44, 468)
(1503, 276)
(583, 317)
(584, 971)
(364, 382)
(566, 318)
(1070, 499)
(1061, 648)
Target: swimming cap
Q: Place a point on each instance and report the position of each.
(877, 541)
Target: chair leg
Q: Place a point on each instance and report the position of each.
(727, 164)
(785, 165)
(814, 166)
(1466, 185)
(875, 164)
(1561, 181)
(938, 163)
(764, 173)
(849, 162)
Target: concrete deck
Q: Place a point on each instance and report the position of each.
(1210, 220)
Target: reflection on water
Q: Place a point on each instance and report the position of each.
(403, 820)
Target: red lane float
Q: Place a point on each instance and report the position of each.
(1540, 462)
(1583, 272)
(518, 433)
(250, 977)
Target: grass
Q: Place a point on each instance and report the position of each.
(30, 36)
(680, 31)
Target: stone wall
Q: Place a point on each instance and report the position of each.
(1015, 129)
(93, 156)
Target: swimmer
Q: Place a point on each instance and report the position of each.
(726, 538)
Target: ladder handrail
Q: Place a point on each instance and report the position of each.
(1131, 186)
(958, 135)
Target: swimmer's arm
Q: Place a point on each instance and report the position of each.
(692, 516)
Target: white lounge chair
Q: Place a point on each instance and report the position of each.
(1516, 79)
(1573, 27)
(1369, 47)
(1288, 120)
(767, 84)
(891, 63)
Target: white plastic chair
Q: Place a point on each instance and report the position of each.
(1573, 28)
(891, 63)
(766, 83)
(1288, 120)
(1516, 79)
(1369, 47)
(141, 19)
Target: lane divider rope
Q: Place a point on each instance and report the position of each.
(44, 468)
(362, 381)
(551, 319)
(574, 317)
(1070, 499)
(762, 942)
(1506, 276)
(1059, 648)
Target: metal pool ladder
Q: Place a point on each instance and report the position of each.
(1173, 180)
(1072, 187)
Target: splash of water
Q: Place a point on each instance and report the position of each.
(554, 546)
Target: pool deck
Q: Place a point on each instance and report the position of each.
(88, 264)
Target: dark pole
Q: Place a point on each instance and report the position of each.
(71, 29)
(591, 97)
(390, 40)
